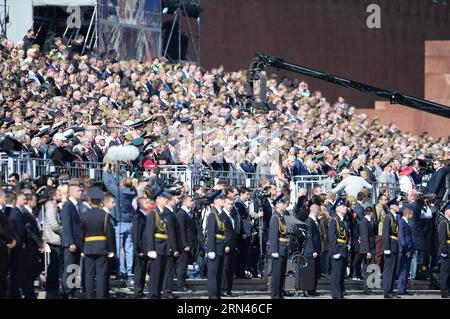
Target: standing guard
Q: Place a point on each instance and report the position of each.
(390, 249)
(444, 252)
(98, 245)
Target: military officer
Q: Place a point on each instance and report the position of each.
(339, 247)
(98, 245)
(390, 250)
(444, 251)
(278, 242)
(157, 244)
(215, 245)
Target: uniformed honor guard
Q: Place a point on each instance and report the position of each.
(98, 245)
(215, 246)
(278, 242)
(339, 242)
(444, 252)
(157, 244)
(390, 250)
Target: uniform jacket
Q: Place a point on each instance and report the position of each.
(444, 237)
(390, 232)
(215, 226)
(96, 222)
(157, 224)
(339, 237)
(276, 229)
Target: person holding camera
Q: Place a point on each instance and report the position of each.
(279, 248)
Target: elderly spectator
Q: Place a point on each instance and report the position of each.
(352, 185)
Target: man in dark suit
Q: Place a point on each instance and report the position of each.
(33, 246)
(436, 184)
(406, 243)
(13, 211)
(230, 246)
(244, 243)
(278, 244)
(174, 243)
(7, 241)
(313, 249)
(359, 208)
(367, 243)
(97, 246)
(444, 252)
(188, 236)
(390, 250)
(339, 245)
(71, 236)
(140, 256)
(215, 246)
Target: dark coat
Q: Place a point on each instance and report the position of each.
(124, 212)
(33, 238)
(313, 240)
(16, 224)
(6, 235)
(245, 218)
(96, 222)
(214, 244)
(405, 237)
(230, 232)
(366, 237)
(436, 184)
(416, 224)
(160, 245)
(277, 246)
(188, 231)
(359, 210)
(70, 220)
(390, 230)
(444, 237)
(138, 233)
(174, 230)
(337, 247)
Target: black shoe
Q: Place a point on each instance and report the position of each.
(406, 293)
(366, 292)
(445, 296)
(395, 295)
(230, 294)
(305, 294)
(139, 295)
(313, 293)
(388, 296)
(170, 295)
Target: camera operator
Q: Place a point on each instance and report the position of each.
(52, 236)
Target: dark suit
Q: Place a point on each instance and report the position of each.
(243, 245)
(6, 237)
(215, 243)
(405, 239)
(444, 253)
(188, 237)
(140, 262)
(359, 210)
(436, 184)
(98, 237)
(313, 245)
(278, 243)
(16, 224)
(339, 239)
(230, 257)
(175, 243)
(71, 234)
(157, 240)
(366, 245)
(33, 241)
(390, 243)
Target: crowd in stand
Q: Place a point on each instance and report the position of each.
(54, 100)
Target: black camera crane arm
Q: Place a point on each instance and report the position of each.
(261, 61)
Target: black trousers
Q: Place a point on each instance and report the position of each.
(4, 259)
(70, 259)
(140, 271)
(389, 271)
(444, 276)
(96, 276)
(30, 271)
(215, 270)
(183, 261)
(16, 271)
(169, 274)
(229, 266)
(365, 264)
(355, 270)
(338, 268)
(242, 256)
(157, 270)
(279, 266)
(54, 268)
